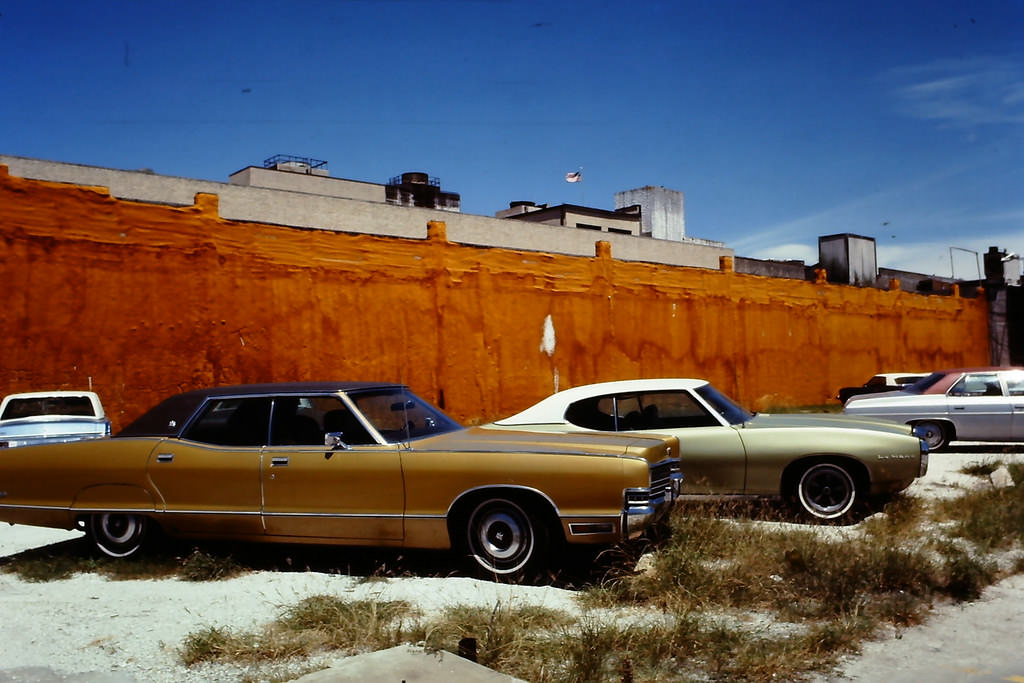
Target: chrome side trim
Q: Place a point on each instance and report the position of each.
(329, 515)
(242, 513)
(64, 508)
(591, 528)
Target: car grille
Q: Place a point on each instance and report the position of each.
(662, 477)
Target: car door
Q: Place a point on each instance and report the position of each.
(313, 491)
(978, 408)
(209, 479)
(1015, 390)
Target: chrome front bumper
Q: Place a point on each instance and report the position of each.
(643, 507)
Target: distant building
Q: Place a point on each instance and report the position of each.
(303, 174)
(848, 259)
(624, 221)
(419, 189)
(654, 212)
(662, 211)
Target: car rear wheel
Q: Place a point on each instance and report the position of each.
(933, 433)
(503, 539)
(117, 534)
(826, 491)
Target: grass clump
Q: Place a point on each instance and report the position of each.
(352, 626)
(980, 469)
(202, 566)
(990, 518)
(315, 624)
(505, 636)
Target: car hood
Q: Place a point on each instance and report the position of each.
(825, 420)
(887, 395)
(653, 448)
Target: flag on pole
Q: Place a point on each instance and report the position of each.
(574, 177)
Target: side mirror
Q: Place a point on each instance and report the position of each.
(334, 441)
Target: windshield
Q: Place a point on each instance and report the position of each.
(723, 405)
(399, 415)
(920, 386)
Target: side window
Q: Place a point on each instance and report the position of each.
(342, 420)
(306, 420)
(1015, 383)
(673, 410)
(233, 422)
(399, 415)
(655, 410)
(977, 384)
(593, 413)
(629, 412)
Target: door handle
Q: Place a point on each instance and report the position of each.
(165, 457)
(279, 462)
(958, 408)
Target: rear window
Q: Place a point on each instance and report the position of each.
(17, 408)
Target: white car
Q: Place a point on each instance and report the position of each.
(882, 382)
(39, 417)
(962, 404)
(822, 463)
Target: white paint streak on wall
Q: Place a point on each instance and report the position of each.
(547, 340)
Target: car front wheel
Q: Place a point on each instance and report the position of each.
(826, 491)
(502, 538)
(933, 433)
(117, 534)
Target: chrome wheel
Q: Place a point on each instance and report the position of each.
(117, 534)
(500, 536)
(826, 491)
(933, 433)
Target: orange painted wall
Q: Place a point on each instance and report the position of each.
(144, 300)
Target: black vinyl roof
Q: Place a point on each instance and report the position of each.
(169, 416)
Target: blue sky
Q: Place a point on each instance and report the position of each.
(780, 121)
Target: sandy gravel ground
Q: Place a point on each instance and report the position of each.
(134, 628)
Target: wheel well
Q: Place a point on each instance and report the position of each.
(948, 428)
(857, 470)
(82, 520)
(537, 506)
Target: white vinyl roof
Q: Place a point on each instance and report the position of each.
(552, 408)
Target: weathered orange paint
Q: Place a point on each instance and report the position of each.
(144, 300)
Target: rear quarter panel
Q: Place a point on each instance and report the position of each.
(55, 477)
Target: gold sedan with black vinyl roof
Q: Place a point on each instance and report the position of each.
(351, 463)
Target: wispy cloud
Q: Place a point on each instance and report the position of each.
(849, 216)
(964, 93)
